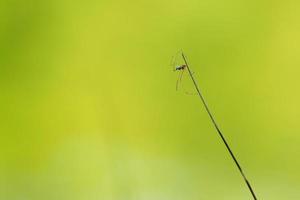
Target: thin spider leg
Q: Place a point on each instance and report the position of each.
(182, 75)
(179, 79)
(172, 62)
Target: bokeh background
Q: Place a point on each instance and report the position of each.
(89, 108)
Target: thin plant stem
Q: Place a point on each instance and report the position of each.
(218, 130)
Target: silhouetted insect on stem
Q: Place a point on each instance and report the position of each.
(178, 67)
(182, 68)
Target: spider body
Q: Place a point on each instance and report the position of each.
(181, 67)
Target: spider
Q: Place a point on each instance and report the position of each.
(178, 65)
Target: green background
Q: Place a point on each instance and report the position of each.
(89, 109)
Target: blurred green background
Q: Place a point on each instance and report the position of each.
(89, 108)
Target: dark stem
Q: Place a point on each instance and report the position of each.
(218, 130)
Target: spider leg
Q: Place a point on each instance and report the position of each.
(179, 79)
(173, 62)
